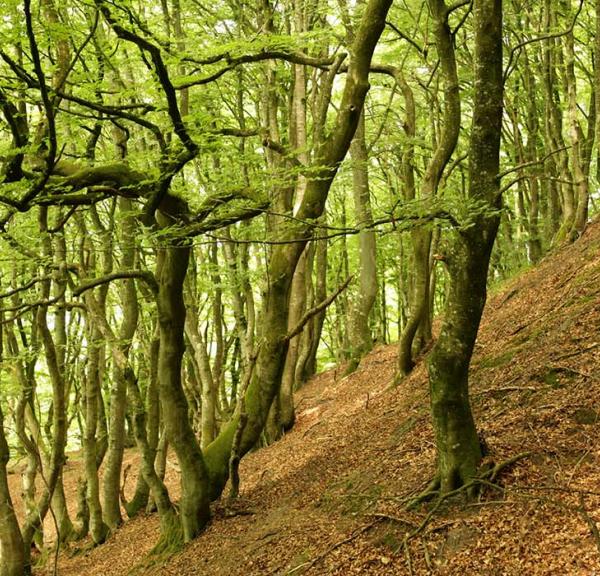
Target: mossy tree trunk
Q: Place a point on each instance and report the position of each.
(467, 258)
(281, 416)
(307, 361)
(361, 338)
(98, 529)
(273, 345)
(118, 403)
(581, 143)
(59, 501)
(420, 310)
(58, 416)
(172, 266)
(11, 541)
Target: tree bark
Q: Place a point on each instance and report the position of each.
(11, 541)
(420, 310)
(98, 528)
(272, 348)
(118, 402)
(172, 266)
(458, 448)
(360, 331)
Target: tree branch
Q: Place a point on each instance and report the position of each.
(144, 275)
(404, 36)
(517, 49)
(162, 74)
(318, 308)
(294, 58)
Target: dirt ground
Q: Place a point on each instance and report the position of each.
(329, 498)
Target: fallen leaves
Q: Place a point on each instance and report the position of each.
(329, 498)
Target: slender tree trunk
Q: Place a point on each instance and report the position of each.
(578, 218)
(194, 506)
(59, 502)
(272, 348)
(281, 415)
(11, 541)
(58, 415)
(360, 330)
(420, 314)
(98, 528)
(307, 368)
(208, 423)
(118, 403)
(160, 494)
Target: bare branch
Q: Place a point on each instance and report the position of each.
(144, 275)
(318, 308)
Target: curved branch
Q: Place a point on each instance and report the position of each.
(144, 275)
(162, 74)
(318, 308)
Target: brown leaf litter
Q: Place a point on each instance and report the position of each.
(329, 497)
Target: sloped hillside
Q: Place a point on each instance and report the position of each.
(330, 497)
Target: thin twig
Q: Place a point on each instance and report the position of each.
(333, 547)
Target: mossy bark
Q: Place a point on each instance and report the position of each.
(361, 338)
(59, 399)
(419, 321)
(11, 542)
(457, 442)
(273, 345)
(118, 403)
(194, 508)
(467, 258)
(98, 528)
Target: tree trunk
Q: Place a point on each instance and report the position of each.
(98, 528)
(272, 349)
(194, 509)
(11, 543)
(281, 415)
(420, 311)
(459, 452)
(118, 402)
(307, 366)
(360, 331)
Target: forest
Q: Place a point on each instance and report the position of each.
(204, 205)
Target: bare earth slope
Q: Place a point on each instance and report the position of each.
(329, 497)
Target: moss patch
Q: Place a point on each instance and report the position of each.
(497, 361)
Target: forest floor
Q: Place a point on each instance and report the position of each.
(329, 498)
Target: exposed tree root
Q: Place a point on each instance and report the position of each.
(590, 521)
(170, 542)
(432, 490)
(171, 537)
(307, 565)
(486, 477)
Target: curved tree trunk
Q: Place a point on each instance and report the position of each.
(11, 541)
(307, 362)
(360, 332)
(146, 421)
(194, 508)
(98, 528)
(468, 256)
(420, 313)
(118, 403)
(58, 416)
(272, 348)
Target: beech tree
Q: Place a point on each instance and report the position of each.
(467, 259)
(201, 206)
